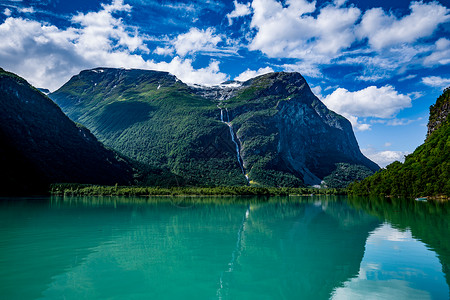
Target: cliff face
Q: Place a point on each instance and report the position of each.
(41, 145)
(272, 129)
(439, 112)
(306, 138)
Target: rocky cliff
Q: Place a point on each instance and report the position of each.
(439, 112)
(284, 127)
(270, 130)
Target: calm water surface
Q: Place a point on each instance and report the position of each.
(223, 248)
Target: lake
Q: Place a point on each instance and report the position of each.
(223, 248)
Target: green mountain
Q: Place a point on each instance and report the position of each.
(270, 130)
(426, 172)
(40, 145)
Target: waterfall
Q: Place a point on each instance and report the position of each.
(233, 139)
(234, 255)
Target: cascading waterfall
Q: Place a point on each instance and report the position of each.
(234, 255)
(238, 153)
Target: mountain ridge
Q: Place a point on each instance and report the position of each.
(180, 127)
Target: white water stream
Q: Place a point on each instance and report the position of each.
(238, 153)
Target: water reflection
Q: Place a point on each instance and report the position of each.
(428, 222)
(208, 248)
(396, 266)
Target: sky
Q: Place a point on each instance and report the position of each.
(379, 63)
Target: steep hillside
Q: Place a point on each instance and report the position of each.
(271, 129)
(284, 127)
(40, 145)
(426, 172)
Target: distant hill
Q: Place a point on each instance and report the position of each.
(269, 131)
(426, 172)
(40, 145)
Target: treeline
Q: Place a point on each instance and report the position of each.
(98, 190)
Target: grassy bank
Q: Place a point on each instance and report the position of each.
(97, 190)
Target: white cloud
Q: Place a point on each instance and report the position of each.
(415, 95)
(384, 64)
(290, 31)
(183, 69)
(248, 74)
(164, 51)
(408, 77)
(116, 5)
(308, 68)
(383, 102)
(385, 30)
(387, 144)
(196, 40)
(99, 28)
(319, 36)
(399, 122)
(371, 102)
(199, 41)
(436, 81)
(26, 10)
(370, 78)
(240, 10)
(48, 56)
(386, 157)
(7, 12)
(440, 54)
(357, 125)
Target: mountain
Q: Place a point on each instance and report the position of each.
(270, 130)
(41, 145)
(425, 172)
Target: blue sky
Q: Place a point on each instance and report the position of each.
(379, 63)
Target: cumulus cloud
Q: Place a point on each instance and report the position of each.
(383, 102)
(436, 81)
(384, 30)
(386, 157)
(48, 56)
(7, 12)
(183, 69)
(164, 50)
(290, 31)
(196, 40)
(248, 74)
(240, 10)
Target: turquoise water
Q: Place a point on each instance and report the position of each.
(223, 248)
